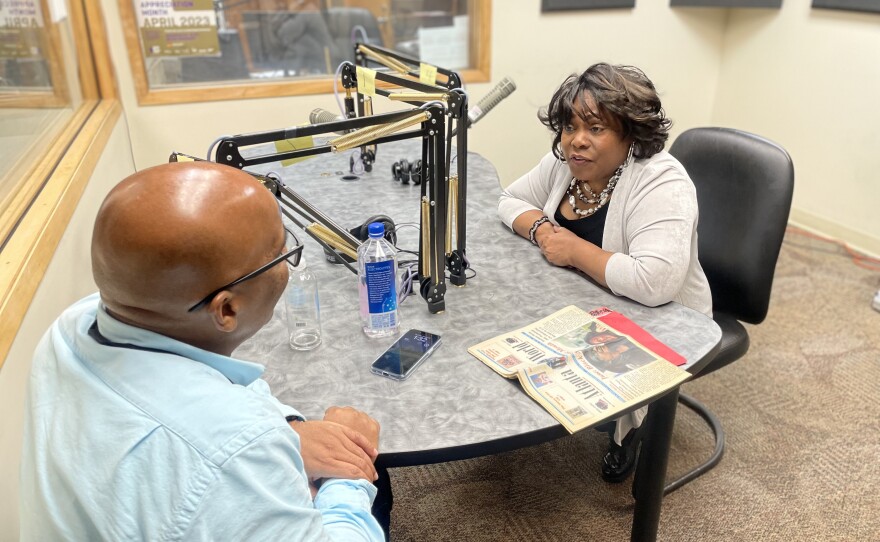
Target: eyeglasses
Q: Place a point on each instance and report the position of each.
(291, 255)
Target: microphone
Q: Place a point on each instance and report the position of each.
(502, 90)
(367, 156)
(320, 116)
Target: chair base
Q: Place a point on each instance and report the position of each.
(710, 418)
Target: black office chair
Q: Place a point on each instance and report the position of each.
(345, 24)
(744, 187)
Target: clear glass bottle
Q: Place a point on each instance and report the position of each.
(303, 308)
(377, 284)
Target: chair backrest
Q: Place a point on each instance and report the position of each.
(744, 187)
(342, 22)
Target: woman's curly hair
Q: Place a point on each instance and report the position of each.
(623, 94)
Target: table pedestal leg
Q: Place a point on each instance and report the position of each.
(650, 476)
(384, 501)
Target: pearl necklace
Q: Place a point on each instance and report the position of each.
(600, 199)
(593, 198)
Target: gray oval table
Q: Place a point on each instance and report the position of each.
(453, 406)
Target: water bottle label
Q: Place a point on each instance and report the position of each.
(297, 297)
(381, 321)
(381, 291)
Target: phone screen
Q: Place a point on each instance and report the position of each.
(406, 354)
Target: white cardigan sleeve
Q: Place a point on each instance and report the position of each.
(658, 237)
(530, 192)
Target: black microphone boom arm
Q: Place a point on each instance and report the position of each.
(362, 57)
(456, 101)
(430, 119)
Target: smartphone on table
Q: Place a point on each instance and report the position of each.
(407, 353)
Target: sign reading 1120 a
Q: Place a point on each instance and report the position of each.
(178, 27)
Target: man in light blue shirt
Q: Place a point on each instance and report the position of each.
(139, 426)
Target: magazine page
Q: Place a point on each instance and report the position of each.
(507, 353)
(584, 366)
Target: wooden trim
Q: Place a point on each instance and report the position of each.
(29, 99)
(29, 251)
(481, 39)
(54, 57)
(135, 54)
(100, 50)
(84, 58)
(480, 10)
(40, 167)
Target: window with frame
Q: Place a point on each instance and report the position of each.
(260, 48)
(57, 108)
(37, 74)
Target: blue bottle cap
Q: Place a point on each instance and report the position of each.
(377, 230)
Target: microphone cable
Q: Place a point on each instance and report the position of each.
(214, 143)
(336, 89)
(409, 280)
(410, 276)
(363, 31)
(356, 165)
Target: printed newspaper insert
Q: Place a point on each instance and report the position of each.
(584, 366)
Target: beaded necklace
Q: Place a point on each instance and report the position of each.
(600, 199)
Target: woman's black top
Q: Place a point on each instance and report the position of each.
(589, 228)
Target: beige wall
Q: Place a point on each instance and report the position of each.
(67, 279)
(805, 78)
(525, 47)
(810, 80)
(679, 49)
(680, 52)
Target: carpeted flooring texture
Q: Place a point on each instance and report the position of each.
(802, 416)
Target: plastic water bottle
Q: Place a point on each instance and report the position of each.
(303, 308)
(377, 284)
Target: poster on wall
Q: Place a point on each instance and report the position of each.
(568, 5)
(727, 3)
(177, 27)
(22, 32)
(849, 5)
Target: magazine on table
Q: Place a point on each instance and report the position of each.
(583, 366)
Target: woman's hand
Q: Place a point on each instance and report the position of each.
(559, 245)
(563, 248)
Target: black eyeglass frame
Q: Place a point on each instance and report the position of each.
(295, 253)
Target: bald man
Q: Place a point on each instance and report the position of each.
(139, 424)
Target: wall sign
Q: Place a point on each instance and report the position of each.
(177, 27)
(566, 5)
(727, 3)
(849, 5)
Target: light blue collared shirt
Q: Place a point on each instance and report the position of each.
(176, 443)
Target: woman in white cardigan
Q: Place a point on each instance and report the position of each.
(610, 202)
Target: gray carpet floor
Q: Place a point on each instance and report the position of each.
(802, 415)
